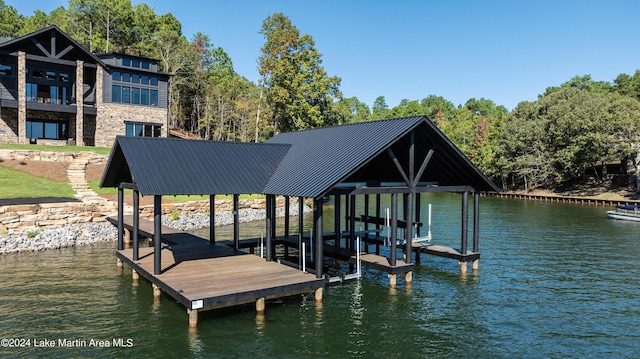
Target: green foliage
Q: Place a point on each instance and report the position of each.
(32, 233)
(298, 89)
(175, 216)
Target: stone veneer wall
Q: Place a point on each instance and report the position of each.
(9, 125)
(111, 118)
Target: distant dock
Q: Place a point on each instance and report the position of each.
(562, 199)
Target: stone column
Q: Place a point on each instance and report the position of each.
(22, 97)
(79, 103)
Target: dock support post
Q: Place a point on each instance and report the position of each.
(392, 280)
(156, 291)
(157, 234)
(193, 318)
(300, 228)
(236, 225)
(136, 222)
(337, 223)
(127, 236)
(319, 293)
(463, 268)
(120, 218)
(418, 204)
(408, 278)
(476, 220)
(269, 215)
(408, 232)
(352, 222)
(286, 216)
(212, 219)
(378, 208)
(475, 265)
(120, 264)
(135, 276)
(394, 230)
(260, 305)
(319, 240)
(465, 223)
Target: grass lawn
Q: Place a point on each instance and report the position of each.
(19, 184)
(26, 147)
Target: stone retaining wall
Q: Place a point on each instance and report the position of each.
(29, 216)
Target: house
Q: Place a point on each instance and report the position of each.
(54, 91)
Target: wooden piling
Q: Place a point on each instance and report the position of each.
(392, 280)
(475, 264)
(135, 276)
(463, 268)
(260, 306)
(408, 278)
(193, 318)
(319, 293)
(156, 291)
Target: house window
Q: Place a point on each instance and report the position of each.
(126, 61)
(135, 95)
(144, 97)
(143, 129)
(126, 94)
(153, 99)
(64, 77)
(37, 74)
(117, 76)
(116, 93)
(145, 64)
(52, 130)
(6, 70)
(51, 75)
(135, 63)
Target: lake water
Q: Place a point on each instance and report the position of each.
(555, 280)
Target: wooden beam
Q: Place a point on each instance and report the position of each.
(423, 167)
(64, 52)
(120, 219)
(398, 166)
(39, 46)
(212, 218)
(388, 190)
(136, 223)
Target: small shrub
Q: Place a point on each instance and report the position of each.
(175, 216)
(32, 233)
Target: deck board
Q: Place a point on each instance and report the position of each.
(193, 269)
(445, 252)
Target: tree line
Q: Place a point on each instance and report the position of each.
(567, 134)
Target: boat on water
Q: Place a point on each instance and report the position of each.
(628, 212)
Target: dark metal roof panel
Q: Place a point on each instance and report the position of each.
(168, 166)
(320, 158)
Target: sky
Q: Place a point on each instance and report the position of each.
(506, 51)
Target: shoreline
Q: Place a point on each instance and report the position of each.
(70, 235)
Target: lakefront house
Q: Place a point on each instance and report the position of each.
(54, 91)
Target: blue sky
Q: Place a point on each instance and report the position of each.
(505, 51)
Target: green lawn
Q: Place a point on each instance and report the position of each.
(98, 150)
(19, 184)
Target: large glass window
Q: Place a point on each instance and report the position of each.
(144, 97)
(116, 93)
(135, 95)
(51, 130)
(126, 94)
(143, 129)
(153, 99)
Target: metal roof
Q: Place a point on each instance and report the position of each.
(168, 166)
(305, 163)
(320, 159)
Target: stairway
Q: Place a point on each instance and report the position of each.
(77, 179)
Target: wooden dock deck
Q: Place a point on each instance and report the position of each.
(202, 276)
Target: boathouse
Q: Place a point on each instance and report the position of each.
(398, 157)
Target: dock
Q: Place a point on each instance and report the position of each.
(202, 276)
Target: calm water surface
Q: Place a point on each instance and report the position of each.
(555, 280)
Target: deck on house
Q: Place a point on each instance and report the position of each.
(202, 276)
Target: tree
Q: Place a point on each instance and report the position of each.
(379, 109)
(297, 86)
(351, 110)
(10, 21)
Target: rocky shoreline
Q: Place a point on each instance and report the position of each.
(55, 237)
